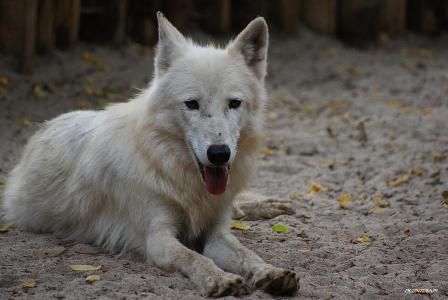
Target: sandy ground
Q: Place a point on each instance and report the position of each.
(351, 121)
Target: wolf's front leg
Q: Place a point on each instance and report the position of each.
(228, 253)
(168, 253)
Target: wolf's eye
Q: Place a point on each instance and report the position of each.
(192, 104)
(234, 103)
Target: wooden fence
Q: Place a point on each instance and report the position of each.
(30, 26)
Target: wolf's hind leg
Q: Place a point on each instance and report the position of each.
(228, 253)
(250, 206)
(168, 253)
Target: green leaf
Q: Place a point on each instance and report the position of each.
(235, 224)
(280, 228)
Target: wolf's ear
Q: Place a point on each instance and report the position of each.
(170, 45)
(252, 43)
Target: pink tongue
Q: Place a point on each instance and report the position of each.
(216, 179)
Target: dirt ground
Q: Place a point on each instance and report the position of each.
(368, 125)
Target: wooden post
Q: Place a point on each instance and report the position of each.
(215, 15)
(67, 14)
(285, 14)
(320, 15)
(179, 12)
(45, 25)
(29, 35)
(122, 12)
(425, 16)
(360, 21)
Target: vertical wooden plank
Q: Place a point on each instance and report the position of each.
(45, 25)
(29, 35)
(11, 26)
(67, 14)
(122, 12)
(285, 14)
(215, 15)
(179, 12)
(244, 11)
(392, 17)
(426, 16)
(320, 15)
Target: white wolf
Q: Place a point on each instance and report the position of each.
(159, 174)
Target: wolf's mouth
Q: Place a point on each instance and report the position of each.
(215, 178)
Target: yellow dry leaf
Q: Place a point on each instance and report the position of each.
(3, 91)
(93, 278)
(354, 70)
(5, 228)
(27, 123)
(426, 111)
(362, 239)
(379, 201)
(82, 268)
(89, 58)
(437, 156)
(417, 171)
(4, 80)
(295, 196)
(82, 104)
(378, 210)
(383, 37)
(29, 285)
(399, 181)
(343, 117)
(266, 151)
(235, 224)
(308, 109)
(343, 200)
(39, 92)
(316, 188)
(91, 91)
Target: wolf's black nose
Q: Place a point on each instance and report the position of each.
(218, 154)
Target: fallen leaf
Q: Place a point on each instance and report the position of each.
(295, 196)
(362, 239)
(3, 91)
(426, 111)
(82, 104)
(383, 37)
(89, 58)
(308, 109)
(316, 188)
(399, 181)
(417, 171)
(343, 117)
(280, 228)
(445, 197)
(4, 80)
(82, 268)
(29, 285)
(39, 92)
(379, 201)
(354, 70)
(438, 156)
(91, 91)
(343, 200)
(27, 123)
(5, 228)
(378, 210)
(266, 151)
(235, 224)
(93, 278)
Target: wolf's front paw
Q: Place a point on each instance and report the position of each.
(225, 285)
(275, 281)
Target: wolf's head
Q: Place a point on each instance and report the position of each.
(212, 97)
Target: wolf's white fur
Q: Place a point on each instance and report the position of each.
(126, 178)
